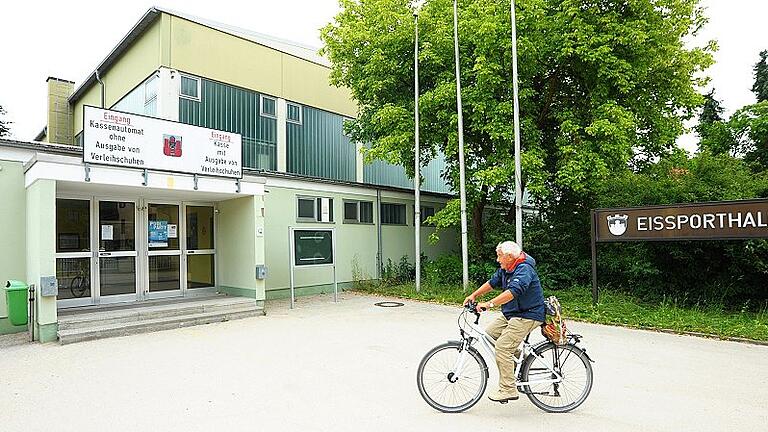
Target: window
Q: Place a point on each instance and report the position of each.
(358, 212)
(268, 106)
(150, 89)
(427, 212)
(392, 214)
(190, 87)
(314, 209)
(294, 113)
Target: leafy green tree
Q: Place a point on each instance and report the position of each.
(749, 126)
(760, 87)
(4, 124)
(692, 272)
(602, 85)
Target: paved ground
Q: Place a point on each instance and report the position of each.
(351, 367)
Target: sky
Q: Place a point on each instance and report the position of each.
(68, 39)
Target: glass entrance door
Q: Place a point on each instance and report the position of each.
(200, 248)
(117, 251)
(163, 250)
(74, 252)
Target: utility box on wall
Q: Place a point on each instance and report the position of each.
(49, 286)
(261, 272)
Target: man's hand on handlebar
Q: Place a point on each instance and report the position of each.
(482, 307)
(470, 299)
(471, 305)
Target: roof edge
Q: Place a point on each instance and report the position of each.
(147, 19)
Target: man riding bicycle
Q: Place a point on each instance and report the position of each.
(522, 308)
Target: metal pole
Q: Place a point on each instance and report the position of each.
(594, 257)
(379, 253)
(417, 161)
(31, 299)
(290, 264)
(333, 251)
(518, 169)
(462, 191)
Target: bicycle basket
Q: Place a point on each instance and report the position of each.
(554, 326)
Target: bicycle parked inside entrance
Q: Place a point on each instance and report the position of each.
(452, 377)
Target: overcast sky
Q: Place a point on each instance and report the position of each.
(67, 39)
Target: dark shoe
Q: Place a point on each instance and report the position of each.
(503, 397)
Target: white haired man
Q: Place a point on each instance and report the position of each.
(522, 310)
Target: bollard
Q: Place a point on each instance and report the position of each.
(32, 312)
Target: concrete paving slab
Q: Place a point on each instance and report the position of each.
(350, 366)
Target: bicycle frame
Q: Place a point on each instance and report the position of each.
(475, 333)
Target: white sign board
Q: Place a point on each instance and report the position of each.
(135, 141)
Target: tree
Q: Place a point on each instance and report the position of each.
(749, 127)
(760, 87)
(714, 132)
(602, 84)
(4, 124)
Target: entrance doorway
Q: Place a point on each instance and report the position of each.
(118, 250)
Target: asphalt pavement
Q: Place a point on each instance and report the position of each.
(351, 366)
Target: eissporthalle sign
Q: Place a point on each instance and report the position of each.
(134, 141)
(722, 220)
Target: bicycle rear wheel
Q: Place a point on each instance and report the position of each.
(575, 368)
(441, 388)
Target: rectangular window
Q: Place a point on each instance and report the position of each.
(314, 209)
(358, 212)
(427, 212)
(150, 89)
(190, 88)
(392, 214)
(268, 106)
(294, 113)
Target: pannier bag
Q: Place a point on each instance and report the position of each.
(554, 324)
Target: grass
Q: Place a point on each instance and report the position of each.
(615, 308)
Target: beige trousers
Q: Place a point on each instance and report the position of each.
(508, 335)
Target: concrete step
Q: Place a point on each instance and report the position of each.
(99, 318)
(116, 329)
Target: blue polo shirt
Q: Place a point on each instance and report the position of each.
(523, 282)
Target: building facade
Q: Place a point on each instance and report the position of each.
(93, 226)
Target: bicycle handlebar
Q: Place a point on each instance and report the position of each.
(472, 307)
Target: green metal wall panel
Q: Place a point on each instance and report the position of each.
(386, 174)
(236, 110)
(319, 148)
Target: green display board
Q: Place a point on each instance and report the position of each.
(313, 247)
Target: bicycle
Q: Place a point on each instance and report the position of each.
(452, 377)
(79, 285)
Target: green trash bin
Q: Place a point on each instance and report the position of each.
(16, 296)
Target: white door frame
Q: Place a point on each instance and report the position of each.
(138, 271)
(91, 254)
(203, 291)
(146, 252)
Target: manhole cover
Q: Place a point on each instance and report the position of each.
(388, 304)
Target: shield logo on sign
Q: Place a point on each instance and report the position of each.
(617, 224)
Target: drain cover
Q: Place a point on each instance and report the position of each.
(388, 304)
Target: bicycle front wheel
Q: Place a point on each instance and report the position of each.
(445, 390)
(571, 363)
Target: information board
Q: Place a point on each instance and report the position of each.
(313, 247)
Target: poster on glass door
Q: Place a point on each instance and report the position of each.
(158, 233)
(134, 141)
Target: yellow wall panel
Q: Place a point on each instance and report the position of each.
(135, 65)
